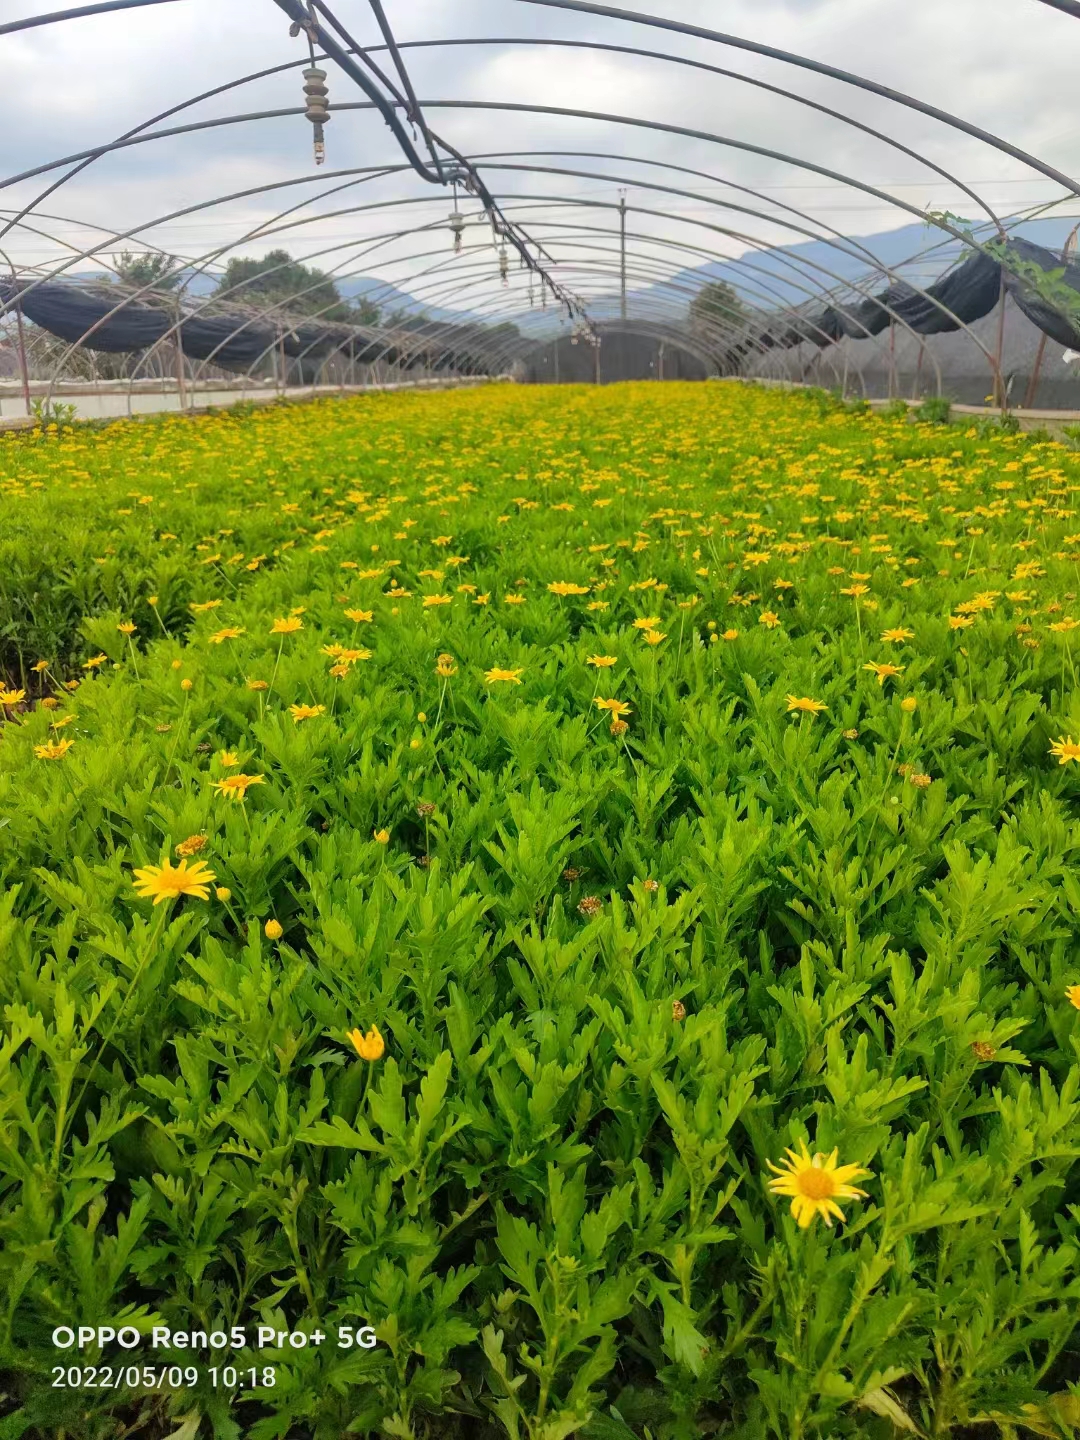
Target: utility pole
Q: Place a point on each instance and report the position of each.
(622, 255)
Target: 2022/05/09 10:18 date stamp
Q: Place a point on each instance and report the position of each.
(241, 1372)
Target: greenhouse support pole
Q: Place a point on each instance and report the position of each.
(596, 363)
(1033, 383)
(24, 371)
(622, 257)
(892, 358)
(178, 364)
(999, 381)
(556, 353)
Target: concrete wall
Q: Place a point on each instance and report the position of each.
(111, 400)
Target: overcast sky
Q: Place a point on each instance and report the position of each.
(1007, 65)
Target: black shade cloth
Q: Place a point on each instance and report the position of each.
(1040, 312)
(70, 313)
(102, 321)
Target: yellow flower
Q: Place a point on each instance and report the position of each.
(816, 1184)
(306, 712)
(909, 704)
(564, 587)
(223, 892)
(769, 619)
(229, 758)
(602, 662)
(884, 671)
(273, 930)
(231, 632)
(94, 662)
(199, 609)
(127, 628)
(288, 626)
(235, 787)
(11, 697)
(382, 836)
(257, 685)
(647, 622)
(805, 704)
(960, 622)
(186, 684)
(1065, 749)
(432, 600)
(730, 635)
(164, 882)
(855, 591)
(1072, 994)
(40, 667)
(618, 708)
(897, 635)
(360, 617)
(494, 675)
(53, 750)
(653, 637)
(370, 1047)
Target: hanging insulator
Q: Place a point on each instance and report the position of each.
(316, 108)
(504, 266)
(457, 226)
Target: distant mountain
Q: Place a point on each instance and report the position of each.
(783, 275)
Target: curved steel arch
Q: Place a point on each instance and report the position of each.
(832, 287)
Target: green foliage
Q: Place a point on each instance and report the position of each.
(617, 973)
(151, 270)
(934, 410)
(717, 304)
(279, 280)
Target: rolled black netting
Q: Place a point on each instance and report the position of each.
(1041, 312)
(79, 315)
(232, 340)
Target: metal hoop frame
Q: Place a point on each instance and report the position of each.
(581, 264)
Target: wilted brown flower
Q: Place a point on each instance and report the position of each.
(425, 808)
(678, 1010)
(590, 906)
(983, 1050)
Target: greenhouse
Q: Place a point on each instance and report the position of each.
(539, 740)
